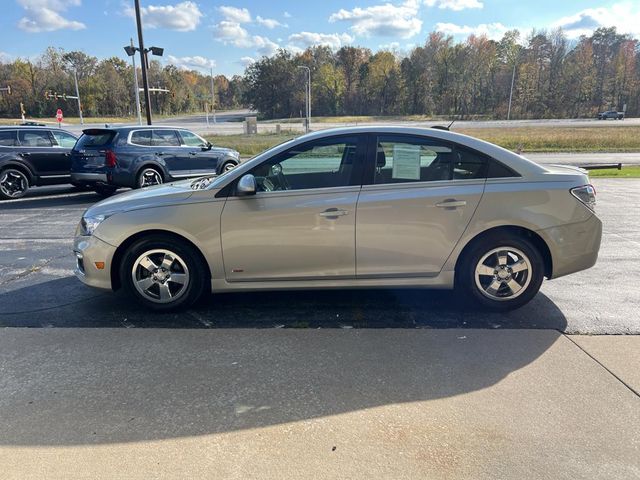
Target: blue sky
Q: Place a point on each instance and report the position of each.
(228, 35)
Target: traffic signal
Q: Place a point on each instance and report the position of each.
(22, 111)
(8, 89)
(46, 94)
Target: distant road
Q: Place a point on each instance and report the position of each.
(584, 158)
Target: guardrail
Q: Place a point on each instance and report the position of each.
(601, 166)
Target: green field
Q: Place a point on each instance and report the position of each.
(632, 171)
(539, 139)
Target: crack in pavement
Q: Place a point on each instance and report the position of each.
(32, 269)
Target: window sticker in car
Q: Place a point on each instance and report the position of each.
(406, 162)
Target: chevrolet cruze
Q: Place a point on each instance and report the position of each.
(363, 207)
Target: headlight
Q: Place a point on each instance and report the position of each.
(89, 224)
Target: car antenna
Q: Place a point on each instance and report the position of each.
(442, 127)
(449, 126)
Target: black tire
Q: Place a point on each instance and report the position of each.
(149, 172)
(183, 253)
(475, 289)
(105, 190)
(14, 183)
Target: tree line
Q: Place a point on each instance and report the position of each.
(552, 77)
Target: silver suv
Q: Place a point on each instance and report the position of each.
(349, 208)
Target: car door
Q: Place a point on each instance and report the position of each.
(37, 147)
(167, 147)
(419, 197)
(300, 225)
(64, 142)
(200, 159)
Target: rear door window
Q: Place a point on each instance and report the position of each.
(8, 138)
(34, 138)
(141, 137)
(165, 138)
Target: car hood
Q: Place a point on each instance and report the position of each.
(160, 195)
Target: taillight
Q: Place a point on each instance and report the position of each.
(586, 194)
(110, 159)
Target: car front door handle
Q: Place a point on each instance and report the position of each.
(160, 153)
(333, 212)
(193, 153)
(451, 203)
(25, 154)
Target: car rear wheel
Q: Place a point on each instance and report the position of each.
(163, 273)
(13, 184)
(149, 177)
(501, 273)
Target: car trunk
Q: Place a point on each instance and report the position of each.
(89, 153)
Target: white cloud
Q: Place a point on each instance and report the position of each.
(5, 58)
(45, 15)
(232, 33)
(183, 17)
(233, 14)
(333, 40)
(384, 20)
(455, 5)
(286, 15)
(246, 61)
(191, 63)
(623, 16)
(270, 23)
(494, 31)
(393, 46)
(264, 46)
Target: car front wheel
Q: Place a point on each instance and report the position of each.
(501, 273)
(163, 273)
(13, 184)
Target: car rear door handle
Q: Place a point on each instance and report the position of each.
(25, 154)
(451, 203)
(193, 153)
(333, 212)
(160, 153)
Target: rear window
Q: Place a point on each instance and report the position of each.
(8, 138)
(165, 138)
(95, 139)
(34, 138)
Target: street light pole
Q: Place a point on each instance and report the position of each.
(137, 88)
(513, 77)
(213, 97)
(143, 54)
(75, 79)
(308, 99)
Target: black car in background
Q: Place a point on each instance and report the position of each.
(33, 156)
(108, 158)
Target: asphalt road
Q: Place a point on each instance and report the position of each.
(37, 287)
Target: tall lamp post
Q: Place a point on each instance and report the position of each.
(513, 77)
(143, 60)
(131, 51)
(308, 95)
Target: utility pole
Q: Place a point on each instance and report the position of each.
(75, 79)
(143, 54)
(135, 80)
(213, 97)
(308, 99)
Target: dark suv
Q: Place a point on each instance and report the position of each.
(108, 158)
(32, 156)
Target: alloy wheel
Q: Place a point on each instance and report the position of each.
(160, 276)
(503, 273)
(13, 183)
(149, 177)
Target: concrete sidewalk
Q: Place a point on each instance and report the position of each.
(330, 403)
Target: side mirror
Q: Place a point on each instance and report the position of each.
(208, 146)
(246, 185)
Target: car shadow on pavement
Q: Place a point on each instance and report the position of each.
(65, 302)
(84, 386)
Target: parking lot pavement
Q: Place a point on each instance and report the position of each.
(273, 404)
(37, 287)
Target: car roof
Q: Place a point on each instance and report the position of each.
(128, 128)
(36, 127)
